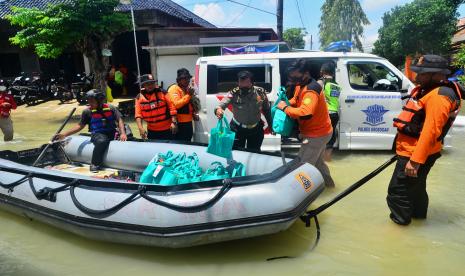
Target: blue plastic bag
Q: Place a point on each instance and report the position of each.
(282, 124)
(221, 139)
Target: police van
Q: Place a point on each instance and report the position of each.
(371, 93)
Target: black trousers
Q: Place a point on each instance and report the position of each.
(101, 142)
(407, 197)
(160, 135)
(248, 138)
(185, 132)
(334, 120)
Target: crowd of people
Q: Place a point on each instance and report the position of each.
(313, 104)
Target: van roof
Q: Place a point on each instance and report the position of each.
(310, 54)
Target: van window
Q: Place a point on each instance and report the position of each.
(373, 76)
(315, 66)
(222, 79)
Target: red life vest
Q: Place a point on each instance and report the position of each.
(5, 111)
(410, 121)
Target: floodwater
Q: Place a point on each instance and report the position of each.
(357, 235)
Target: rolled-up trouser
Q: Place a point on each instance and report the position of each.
(312, 151)
(407, 197)
(6, 125)
(101, 142)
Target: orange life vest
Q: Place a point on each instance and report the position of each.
(410, 121)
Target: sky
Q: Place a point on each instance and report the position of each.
(224, 13)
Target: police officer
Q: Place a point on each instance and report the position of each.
(103, 120)
(248, 103)
(332, 92)
(422, 125)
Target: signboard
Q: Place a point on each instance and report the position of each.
(249, 49)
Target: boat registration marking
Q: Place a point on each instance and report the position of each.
(305, 181)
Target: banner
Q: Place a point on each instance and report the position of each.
(249, 49)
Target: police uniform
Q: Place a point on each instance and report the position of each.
(247, 107)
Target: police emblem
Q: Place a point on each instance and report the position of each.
(375, 115)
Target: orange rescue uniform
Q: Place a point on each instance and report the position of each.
(182, 102)
(439, 107)
(309, 107)
(156, 109)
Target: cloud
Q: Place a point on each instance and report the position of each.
(376, 5)
(212, 12)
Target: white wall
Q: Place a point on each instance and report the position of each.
(167, 67)
(169, 61)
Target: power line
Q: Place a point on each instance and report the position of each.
(300, 14)
(239, 15)
(239, 3)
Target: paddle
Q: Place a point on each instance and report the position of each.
(51, 142)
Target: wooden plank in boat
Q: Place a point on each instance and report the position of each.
(84, 170)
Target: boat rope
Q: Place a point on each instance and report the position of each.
(15, 183)
(50, 194)
(195, 208)
(314, 213)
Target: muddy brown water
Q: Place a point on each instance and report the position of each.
(357, 236)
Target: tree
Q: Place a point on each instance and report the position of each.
(421, 27)
(342, 20)
(295, 37)
(88, 25)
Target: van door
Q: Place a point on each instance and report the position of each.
(370, 100)
(221, 77)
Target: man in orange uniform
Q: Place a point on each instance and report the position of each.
(181, 95)
(308, 107)
(154, 107)
(422, 126)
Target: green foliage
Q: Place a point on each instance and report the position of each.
(342, 20)
(295, 37)
(86, 24)
(459, 58)
(421, 27)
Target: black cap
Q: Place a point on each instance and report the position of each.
(244, 75)
(431, 64)
(183, 73)
(96, 94)
(147, 78)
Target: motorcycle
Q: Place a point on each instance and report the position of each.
(37, 90)
(84, 83)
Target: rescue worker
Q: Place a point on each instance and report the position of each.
(422, 125)
(332, 92)
(248, 103)
(154, 107)
(7, 103)
(181, 94)
(308, 107)
(103, 120)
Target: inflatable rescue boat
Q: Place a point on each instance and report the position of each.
(113, 206)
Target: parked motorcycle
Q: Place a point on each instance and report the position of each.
(83, 84)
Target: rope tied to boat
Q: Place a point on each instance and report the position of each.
(18, 182)
(50, 194)
(314, 213)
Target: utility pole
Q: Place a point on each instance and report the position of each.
(279, 17)
(311, 42)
